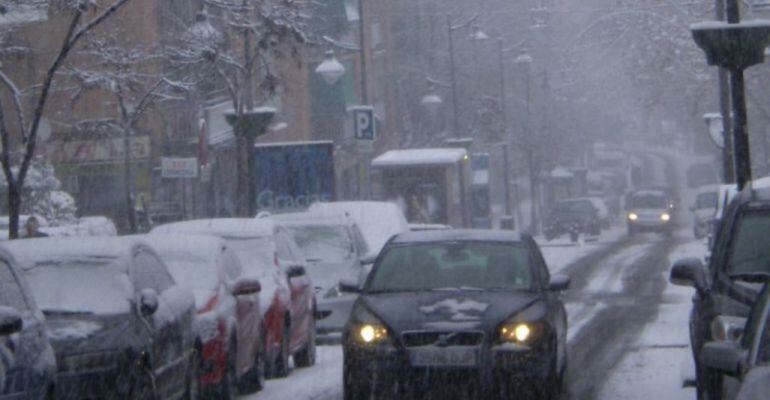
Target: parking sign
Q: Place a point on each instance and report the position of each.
(363, 123)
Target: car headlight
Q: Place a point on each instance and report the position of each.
(633, 216)
(665, 217)
(520, 332)
(366, 329)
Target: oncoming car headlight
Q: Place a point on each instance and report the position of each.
(665, 217)
(366, 329)
(633, 216)
(520, 332)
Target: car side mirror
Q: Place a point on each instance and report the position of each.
(725, 357)
(369, 259)
(689, 272)
(296, 271)
(246, 286)
(559, 283)
(726, 328)
(148, 302)
(10, 321)
(349, 286)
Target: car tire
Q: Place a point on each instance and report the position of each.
(280, 366)
(228, 388)
(254, 380)
(355, 386)
(192, 385)
(306, 357)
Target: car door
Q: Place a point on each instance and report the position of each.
(171, 323)
(300, 288)
(247, 313)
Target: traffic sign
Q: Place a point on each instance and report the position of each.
(363, 123)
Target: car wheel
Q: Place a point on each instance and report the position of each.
(355, 386)
(192, 385)
(280, 367)
(228, 388)
(306, 357)
(254, 380)
(142, 387)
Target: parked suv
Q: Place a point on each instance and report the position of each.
(726, 286)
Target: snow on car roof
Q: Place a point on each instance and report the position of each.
(377, 220)
(395, 158)
(447, 235)
(225, 227)
(310, 218)
(30, 252)
(198, 246)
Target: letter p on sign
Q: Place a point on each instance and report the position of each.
(363, 119)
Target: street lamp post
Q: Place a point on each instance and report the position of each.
(526, 60)
(455, 117)
(504, 126)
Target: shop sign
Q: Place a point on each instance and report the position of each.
(103, 151)
(179, 168)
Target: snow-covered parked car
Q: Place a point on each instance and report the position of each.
(335, 250)
(27, 362)
(378, 220)
(267, 252)
(228, 319)
(84, 226)
(118, 323)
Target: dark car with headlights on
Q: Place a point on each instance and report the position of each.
(119, 325)
(650, 211)
(473, 307)
(27, 363)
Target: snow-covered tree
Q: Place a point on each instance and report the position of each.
(19, 124)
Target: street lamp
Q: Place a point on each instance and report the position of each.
(432, 101)
(330, 69)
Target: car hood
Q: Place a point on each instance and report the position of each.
(448, 310)
(86, 333)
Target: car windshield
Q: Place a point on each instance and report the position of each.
(706, 200)
(436, 266)
(256, 255)
(750, 247)
(649, 201)
(323, 242)
(101, 287)
(11, 293)
(191, 271)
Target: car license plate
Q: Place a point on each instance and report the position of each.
(444, 356)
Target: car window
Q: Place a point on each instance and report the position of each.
(11, 293)
(358, 237)
(232, 266)
(323, 242)
(282, 248)
(706, 200)
(150, 273)
(435, 266)
(750, 245)
(649, 201)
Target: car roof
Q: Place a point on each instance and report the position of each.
(29, 252)
(650, 192)
(310, 218)
(224, 227)
(450, 235)
(200, 246)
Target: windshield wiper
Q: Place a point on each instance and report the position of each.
(65, 313)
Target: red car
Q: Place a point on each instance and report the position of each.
(268, 253)
(228, 319)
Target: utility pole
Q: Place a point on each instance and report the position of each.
(245, 195)
(455, 117)
(506, 134)
(742, 153)
(728, 162)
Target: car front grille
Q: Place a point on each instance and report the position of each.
(442, 339)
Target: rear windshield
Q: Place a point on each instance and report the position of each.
(649, 201)
(435, 266)
(750, 249)
(706, 200)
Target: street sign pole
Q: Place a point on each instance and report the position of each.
(364, 132)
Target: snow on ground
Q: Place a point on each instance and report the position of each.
(560, 252)
(661, 360)
(323, 380)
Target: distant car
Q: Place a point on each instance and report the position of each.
(427, 227)
(727, 285)
(650, 211)
(119, 325)
(572, 216)
(704, 210)
(378, 220)
(228, 319)
(335, 250)
(744, 365)
(267, 252)
(27, 362)
(452, 306)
